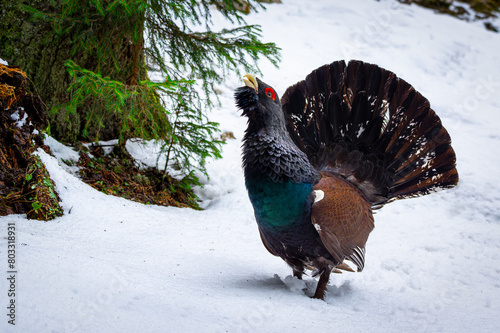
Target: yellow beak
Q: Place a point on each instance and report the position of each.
(251, 81)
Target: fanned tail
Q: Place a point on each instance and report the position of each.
(374, 129)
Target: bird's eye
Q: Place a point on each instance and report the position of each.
(270, 93)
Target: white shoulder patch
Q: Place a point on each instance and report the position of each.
(318, 195)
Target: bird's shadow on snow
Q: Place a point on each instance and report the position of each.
(304, 287)
(260, 283)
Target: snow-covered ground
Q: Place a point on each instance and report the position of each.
(433, 263)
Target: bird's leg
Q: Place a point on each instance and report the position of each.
(323, 282)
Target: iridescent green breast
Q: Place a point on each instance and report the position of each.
(277, 204)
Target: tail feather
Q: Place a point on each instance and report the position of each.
(364, 123)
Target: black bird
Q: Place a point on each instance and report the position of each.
(346, 140)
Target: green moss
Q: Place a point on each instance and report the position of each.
(40, 191)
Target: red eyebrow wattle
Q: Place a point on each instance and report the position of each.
(270, 90)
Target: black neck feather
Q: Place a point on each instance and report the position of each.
(276, 158)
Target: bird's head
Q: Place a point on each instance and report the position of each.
(260, 103)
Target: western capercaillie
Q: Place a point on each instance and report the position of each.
(346, 140)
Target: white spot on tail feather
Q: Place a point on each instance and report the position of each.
(317, 226)
(360, 131)
(384, 107)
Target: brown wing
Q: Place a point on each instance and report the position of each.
(343, 218)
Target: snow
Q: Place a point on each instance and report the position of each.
(107, 146)
(432, 263)
(17, 118)
(66, 156)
